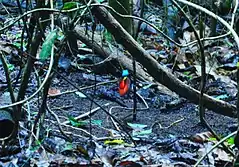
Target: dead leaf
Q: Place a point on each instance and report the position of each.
(222, 155)
(53, 92)
(202, 137)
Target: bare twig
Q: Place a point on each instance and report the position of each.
(87, 114)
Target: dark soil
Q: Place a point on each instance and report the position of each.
(155, 115)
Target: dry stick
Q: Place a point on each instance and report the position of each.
(84, 131)
(72, 134)
(83, 88)
(58, 123)
(75, 128)
(87, 7)
(166, 127)
(23, 19)
(203, 70)
(236, 139)
(87, 114)
(231, 31)
(156, 70)
(28, 110)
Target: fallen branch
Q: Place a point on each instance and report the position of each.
(117, 59)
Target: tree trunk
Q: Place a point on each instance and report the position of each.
(123, 7)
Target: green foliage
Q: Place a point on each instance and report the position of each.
(107, 36)
(187, 73)
(70, 5)
(10, 67)
(222, 97)
(37, 145)
(136, 126)
(68, 147)
(212, 139)
(77, 123)
(227, 4)
(237, 65)
(48, 44)
(114, 142)
(142, 132)
(230, 141)
(100, 1)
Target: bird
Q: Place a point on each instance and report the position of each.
(124, 83)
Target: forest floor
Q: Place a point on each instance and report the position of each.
(169, 124)
(167, 133)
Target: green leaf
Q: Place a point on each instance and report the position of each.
(83, 45)
(48, 44)
(212, 139)
(237, 65)
(221, 97)
(230, 141)
(227, 4)
(228, 42)
(10, 67)
(137, 126)
(76, 123)
(186, 72)
(142, 132)
(69, 5)
(148, 86)
(114, 142)
(37, 145)
(68, 147)
(18, 44)
(107, 36)
(80, 94)
(97, 122)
